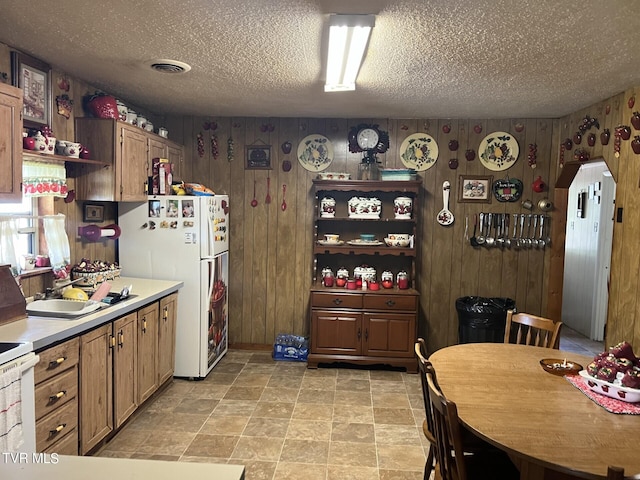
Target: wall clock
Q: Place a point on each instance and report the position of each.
(369, 139)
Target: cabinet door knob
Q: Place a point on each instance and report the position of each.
(144, 325)
(337, 301)
(390, 303)
(366, 334)
(359, 334)
(57, 430)
(56, 362)
(57, 396)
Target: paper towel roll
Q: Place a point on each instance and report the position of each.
(107, 232)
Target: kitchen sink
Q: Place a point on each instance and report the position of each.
(61, 308)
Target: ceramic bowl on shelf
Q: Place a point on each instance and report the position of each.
(396, 242)
(398, 236)
(367, 237)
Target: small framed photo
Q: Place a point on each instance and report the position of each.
(34, 78)
(474, 188)
(93, 213)
(258, 157)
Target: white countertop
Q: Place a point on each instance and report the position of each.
(45, 331)
(99, 468)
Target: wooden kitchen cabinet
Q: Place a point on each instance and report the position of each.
(56, 398)
(96, 386)
(364, 326)
(147, 326)
(128, 150)
(125, 395)
(166, 338)
(87, 387)
(10, 143)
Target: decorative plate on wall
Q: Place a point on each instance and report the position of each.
(315, 152)
(498, 151)
(419, 151)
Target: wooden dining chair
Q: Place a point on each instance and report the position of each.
(425, 366)
(532, 330)
(453, 462)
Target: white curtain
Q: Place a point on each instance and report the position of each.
(57, 241)
(8, 244)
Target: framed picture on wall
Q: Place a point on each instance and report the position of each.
(474, 188)
(93, 213)
(258, 157)
(34, 78)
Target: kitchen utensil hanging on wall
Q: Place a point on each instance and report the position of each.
(267, 199)
(284, 204)
(254, 202)
(445, 217)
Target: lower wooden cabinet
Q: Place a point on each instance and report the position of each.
(166, 338)
(125, 361)
(148, 320)
(119, 368)
(96, 386)
(363, 328)
(56, 398)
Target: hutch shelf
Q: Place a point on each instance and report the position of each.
(366, 327)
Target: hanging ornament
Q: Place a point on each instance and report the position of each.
(230, 149)
(214, 146)
(200, 144)
(532, 156)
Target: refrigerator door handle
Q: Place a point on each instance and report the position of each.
(209, 236)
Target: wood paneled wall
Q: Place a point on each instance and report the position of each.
(270, 250)
(623, 318)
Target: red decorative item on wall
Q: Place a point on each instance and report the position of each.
(214, 147)
(477, 128)
(635, 144)
(518, 127)
(470, 155)
(632, 101)
(532, 157)
(605, 136)
(591, 139)
(635, 120)
(446, 128)
(200, 140)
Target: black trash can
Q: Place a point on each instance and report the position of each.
(482, 319)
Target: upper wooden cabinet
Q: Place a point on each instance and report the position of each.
(128, 150)
(10, 143)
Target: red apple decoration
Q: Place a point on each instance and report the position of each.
(29, 143)
(387, 283)
(477, 128)
(446, 128)
(286, 147)
(453, 145)
(631, 102)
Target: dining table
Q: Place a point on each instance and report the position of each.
(549, 428)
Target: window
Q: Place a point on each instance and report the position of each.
(27, 226)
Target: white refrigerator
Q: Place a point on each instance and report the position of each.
(185, 238)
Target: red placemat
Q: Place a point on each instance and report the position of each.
(609, 404)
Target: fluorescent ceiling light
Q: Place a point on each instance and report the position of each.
(348, 38)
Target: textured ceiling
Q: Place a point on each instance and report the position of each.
(426, 58)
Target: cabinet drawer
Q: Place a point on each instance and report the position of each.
(336, 300)
(56, 391)
(56, 425)
(57, 359)
(67, 445)
(391, 302)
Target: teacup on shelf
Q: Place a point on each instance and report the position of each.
(331, 238)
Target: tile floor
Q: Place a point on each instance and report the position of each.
(284, 421)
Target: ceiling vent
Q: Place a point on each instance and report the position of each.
(169, 66)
